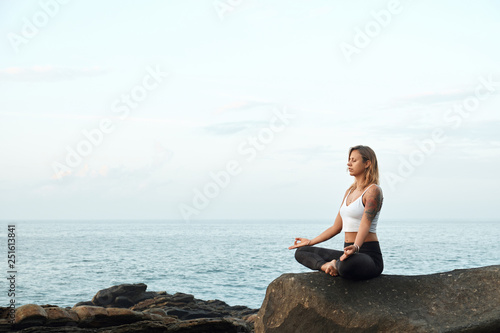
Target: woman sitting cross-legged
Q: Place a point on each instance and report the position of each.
(358, 216)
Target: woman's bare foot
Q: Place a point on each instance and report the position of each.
(330, 268)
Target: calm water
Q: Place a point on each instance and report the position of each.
(64, 262)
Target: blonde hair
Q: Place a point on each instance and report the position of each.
(371, 173)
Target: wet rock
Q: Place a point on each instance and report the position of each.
(250, 319)
(61, 329)
(225, 325)
(146, 304)
(158, 312)
(458, 301)
(90, 316)
(139, 327)
(30, 315)
(7, 316)
(124, 295)
(159, 315)
(94, 316)
(123, 302)
(182, 298)
(84, 303)
(185, 314)
(57, 316)
(185, 307)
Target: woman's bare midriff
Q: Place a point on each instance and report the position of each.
(350, 237)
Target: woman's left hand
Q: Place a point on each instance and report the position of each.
(348, 251)
(299, 242)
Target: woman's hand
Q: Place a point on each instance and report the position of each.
(299, 242)
(348, 251)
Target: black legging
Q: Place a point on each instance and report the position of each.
(366, 264)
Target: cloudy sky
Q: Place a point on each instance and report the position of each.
(246, 109)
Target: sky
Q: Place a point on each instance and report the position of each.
(246, 109)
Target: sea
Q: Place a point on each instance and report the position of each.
(65, 262)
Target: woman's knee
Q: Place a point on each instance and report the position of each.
(301, 251)
(345, 269)
(357, 268)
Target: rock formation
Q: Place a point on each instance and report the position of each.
(129, 308)
(458, 301)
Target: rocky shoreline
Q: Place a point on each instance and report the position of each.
(130, 308)
(465, 300)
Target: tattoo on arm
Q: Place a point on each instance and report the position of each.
(373, 203)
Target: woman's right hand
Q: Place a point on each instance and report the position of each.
(299, 242)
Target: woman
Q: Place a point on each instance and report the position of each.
(358, 216)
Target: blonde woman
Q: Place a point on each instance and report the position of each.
(358, 217)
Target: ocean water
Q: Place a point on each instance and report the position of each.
(65, 262)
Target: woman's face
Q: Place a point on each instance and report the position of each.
(355, 164)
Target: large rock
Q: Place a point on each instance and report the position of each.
(57, 316)
(30, 315)
(94, 316)
(121, 296)
(458, 301)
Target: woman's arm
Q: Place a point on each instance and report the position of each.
(373, 203)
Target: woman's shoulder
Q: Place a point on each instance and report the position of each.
(374, 190)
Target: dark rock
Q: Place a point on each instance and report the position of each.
(225, 325)
(7, 316)
(160, 315)
(185, 314)
(123, 295)
(83, 303)
(182, 298)
(107, 296)
(123, 302)
(63, 329)
(457, 301)
(144, 296)
(217, 303)
(179, 313)
(185, 306)
(139, 327)
(238, 307)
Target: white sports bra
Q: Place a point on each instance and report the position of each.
(352, 214)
